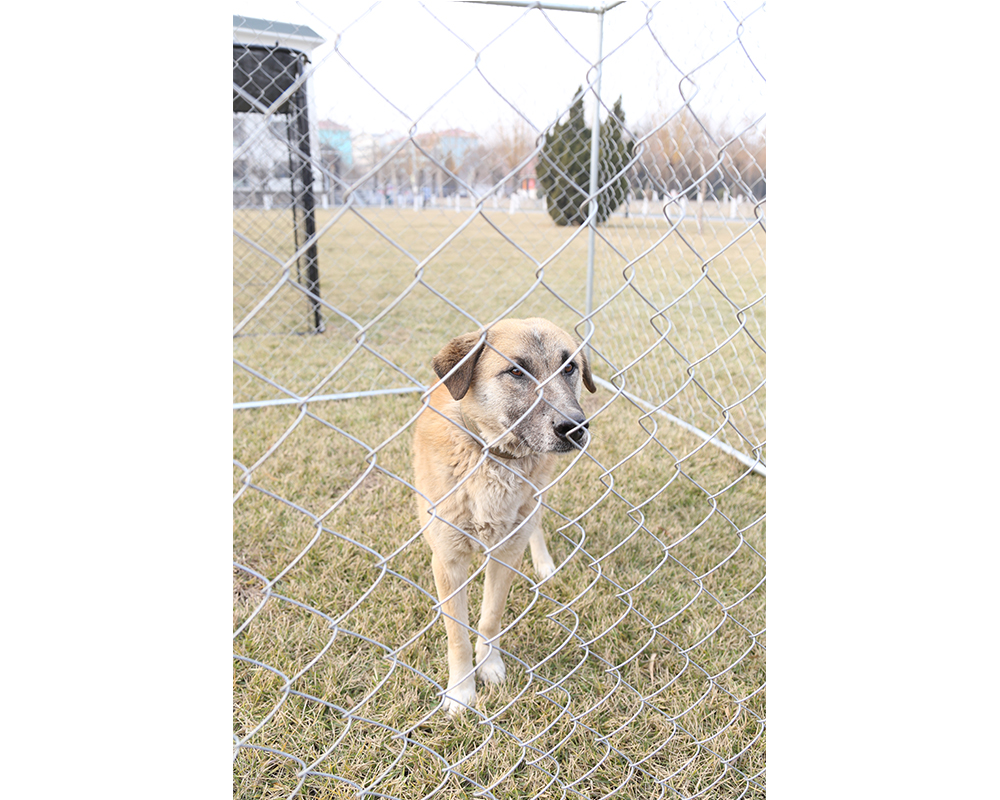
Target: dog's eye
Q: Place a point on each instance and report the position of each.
(568, 369)
(516, 372)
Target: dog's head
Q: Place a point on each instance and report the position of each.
(522, 382)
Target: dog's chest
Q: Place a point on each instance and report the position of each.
(493, 497)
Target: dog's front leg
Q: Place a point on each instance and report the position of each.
(499, 576)
(450, 576)
(540, 558)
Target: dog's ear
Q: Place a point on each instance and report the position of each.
(588, 378)
(460, 380)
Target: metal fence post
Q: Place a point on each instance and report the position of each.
(595, 158)
(301, 113)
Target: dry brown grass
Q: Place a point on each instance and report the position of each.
(641, 664)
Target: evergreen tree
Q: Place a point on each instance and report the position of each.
(564, 166)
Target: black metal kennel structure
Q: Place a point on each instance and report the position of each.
(264, 76)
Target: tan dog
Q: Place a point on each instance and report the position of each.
(518, 391)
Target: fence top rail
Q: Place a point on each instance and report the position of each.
(599, 9)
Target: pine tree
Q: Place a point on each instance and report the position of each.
(564, 166)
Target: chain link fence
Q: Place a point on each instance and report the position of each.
(604, 170)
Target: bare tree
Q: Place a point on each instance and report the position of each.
(511, 143)
(677, 153)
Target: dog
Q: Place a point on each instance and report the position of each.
(484, 447)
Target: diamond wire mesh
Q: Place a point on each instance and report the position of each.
(638, 669)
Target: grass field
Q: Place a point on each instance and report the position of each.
(639, 668)
(647, 279)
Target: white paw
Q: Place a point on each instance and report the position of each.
(460, 697)
(545, 569)
(489, 668)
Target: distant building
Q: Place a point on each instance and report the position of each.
(435, 154)
(335, 138)
(528, 185)
(336, 155)
(453, 142)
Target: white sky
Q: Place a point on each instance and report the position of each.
(420, 67)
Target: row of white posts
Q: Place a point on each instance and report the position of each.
(682, 203)
(515, 202)
(418, 202)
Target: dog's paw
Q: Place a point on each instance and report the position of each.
(545, 569)
(460, 697)
(489, 667)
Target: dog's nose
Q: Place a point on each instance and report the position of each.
(573, 428)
